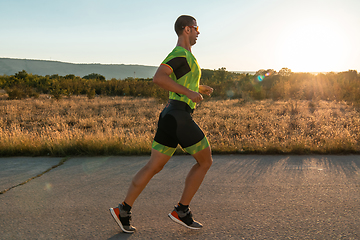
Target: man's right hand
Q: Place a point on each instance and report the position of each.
(194, 96)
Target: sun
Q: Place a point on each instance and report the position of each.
(313, 45)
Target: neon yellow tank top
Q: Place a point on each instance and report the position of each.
(185, 71)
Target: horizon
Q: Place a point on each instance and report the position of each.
(235, 71)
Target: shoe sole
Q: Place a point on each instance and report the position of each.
(115, 214)
(175, 219)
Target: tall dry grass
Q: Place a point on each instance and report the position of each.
(126, 125)
(281, 127)
(77, 125)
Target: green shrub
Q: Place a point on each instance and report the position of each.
(15, 93)
(91, 93)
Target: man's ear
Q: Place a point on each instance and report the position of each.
(187, 29)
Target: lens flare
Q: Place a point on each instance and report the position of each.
(230, 93)
(48, 186)
(261, 77)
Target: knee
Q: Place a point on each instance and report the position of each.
(206, 164)
(204, 158)
(209, 163)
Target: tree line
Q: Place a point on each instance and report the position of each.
(285, 85)
(264, 84)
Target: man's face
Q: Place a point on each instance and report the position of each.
(193, 34)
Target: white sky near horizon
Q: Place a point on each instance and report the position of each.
(243, 35)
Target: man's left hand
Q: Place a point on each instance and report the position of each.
(206, 90)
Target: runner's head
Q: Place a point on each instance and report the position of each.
(186, 26)
(182, 22)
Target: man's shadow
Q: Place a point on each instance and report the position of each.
(121, 236)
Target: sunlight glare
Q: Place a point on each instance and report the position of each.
(313, 46)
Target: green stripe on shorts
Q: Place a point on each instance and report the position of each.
(204, 143)
(163, 149)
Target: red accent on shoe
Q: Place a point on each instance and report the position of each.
(117, 212)
(175, 215)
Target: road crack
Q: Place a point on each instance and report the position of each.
(62, 161)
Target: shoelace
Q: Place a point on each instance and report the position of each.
(188, 218)
(125, 220)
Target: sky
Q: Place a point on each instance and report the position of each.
(240, 35)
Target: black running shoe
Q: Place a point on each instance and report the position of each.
(122, 218)
(185, 219)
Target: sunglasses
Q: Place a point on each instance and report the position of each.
(195, 27)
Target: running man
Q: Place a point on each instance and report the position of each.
(180, 74)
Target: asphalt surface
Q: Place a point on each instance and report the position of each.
(242, 197)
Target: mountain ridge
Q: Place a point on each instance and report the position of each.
(10, 66)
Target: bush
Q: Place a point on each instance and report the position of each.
(91, 93)
(15, 93)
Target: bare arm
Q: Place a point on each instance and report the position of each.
(162, 79)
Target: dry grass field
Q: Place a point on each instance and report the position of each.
(126, 125)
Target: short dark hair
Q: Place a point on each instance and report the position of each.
(182, 22)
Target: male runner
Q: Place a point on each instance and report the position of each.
(180, 74)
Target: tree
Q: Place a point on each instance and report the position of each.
(285, 72)
(95, 76)
(220, 75)
(70, 76)
(21, 75)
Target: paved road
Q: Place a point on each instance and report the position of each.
(242, 197)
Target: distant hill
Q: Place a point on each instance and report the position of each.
(10, 66)
(245, 72)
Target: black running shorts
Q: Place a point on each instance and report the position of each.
(176, 126)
